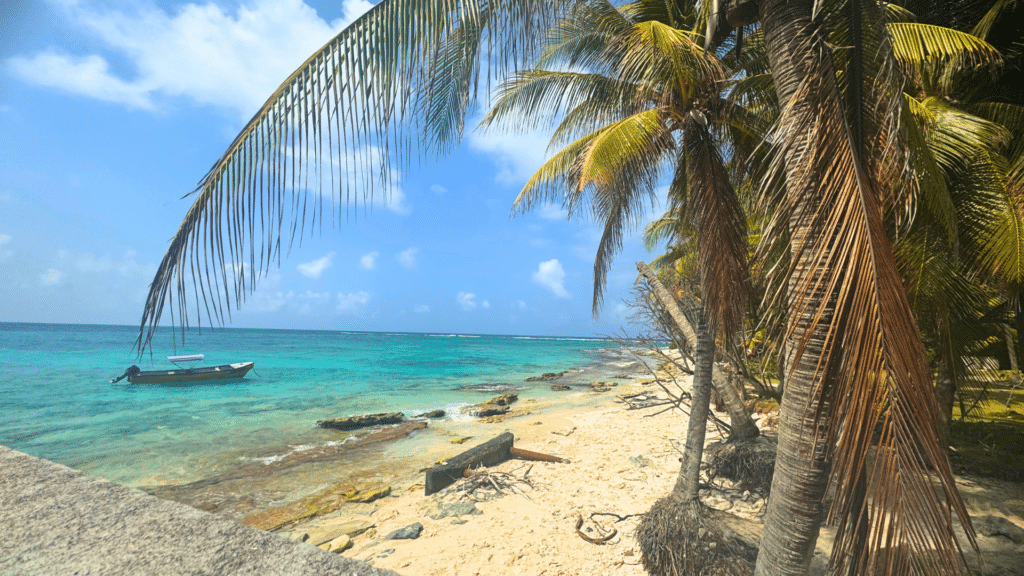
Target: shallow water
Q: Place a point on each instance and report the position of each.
(56, 400)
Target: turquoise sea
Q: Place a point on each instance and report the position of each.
(57, 401)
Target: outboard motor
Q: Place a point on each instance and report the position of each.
(131, 371)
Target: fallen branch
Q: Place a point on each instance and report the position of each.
(481, 484)
(601, 540)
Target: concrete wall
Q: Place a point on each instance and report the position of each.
(55, 520)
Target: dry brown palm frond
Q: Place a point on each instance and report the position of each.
(720, 227)
(848, 304)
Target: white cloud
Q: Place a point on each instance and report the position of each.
(310, 300)
(421, 309)
(5, 252)
(268, 296)
(51, 277)
(86, 262)
(549, 211)
(466, 300)
(352, 302)
(551, 275)
(521, 305)
(438, 189)
(407, 257)
(518, 156)
(83, 75)
(394, 200)
(315, 268)
(369, 261)
(486, 304)
(232, 59)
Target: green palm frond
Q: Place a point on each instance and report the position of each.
(549, 182)
(624, 147)
(663, 229)
(1009, 116)
(937, 56)
(896, 13)
(580, 41)
(1002, 237)
(984, 26)
(659, 55)
(333, 130)
(955, 135)
(536, 97)
(933, 194)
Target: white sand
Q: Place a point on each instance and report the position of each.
(536, 534)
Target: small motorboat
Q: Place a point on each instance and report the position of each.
(225, 371)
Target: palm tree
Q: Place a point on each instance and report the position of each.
(855, 354)
(642, 84)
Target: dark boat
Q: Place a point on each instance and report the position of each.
(179, 375)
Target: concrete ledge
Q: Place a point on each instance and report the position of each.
(55, 520)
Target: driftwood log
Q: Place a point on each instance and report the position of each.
(490, 453)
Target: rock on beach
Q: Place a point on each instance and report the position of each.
(363, 421)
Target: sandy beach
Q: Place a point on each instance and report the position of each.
(621, 461)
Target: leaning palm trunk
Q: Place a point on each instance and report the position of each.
(700, 404)
(856, 362)
(741, 424)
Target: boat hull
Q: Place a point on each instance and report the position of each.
(225, 371)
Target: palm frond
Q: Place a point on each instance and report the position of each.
(720, 227)
(933, 195)
(560, 172)
(619, 166)
(537, 97)
(333, 130)
(897, 13)
(984, 26)
(662, 229)
(580, 40)
(856, 337)
(936, 55)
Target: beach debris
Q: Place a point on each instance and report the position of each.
(494, 451)
(531, 455)
(432, 414)
(637, 400)
(363, 421)
(460, 439)
(483, 484)
(749, 463)
(560, 387)
(489, 453)
(568, 432)
(679, 536)
(410, 532)
(547, 376)
(604, 535)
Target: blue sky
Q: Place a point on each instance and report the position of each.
(111, 111)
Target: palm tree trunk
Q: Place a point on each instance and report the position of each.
(742, 426)
(795, 508)
(700, 404)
